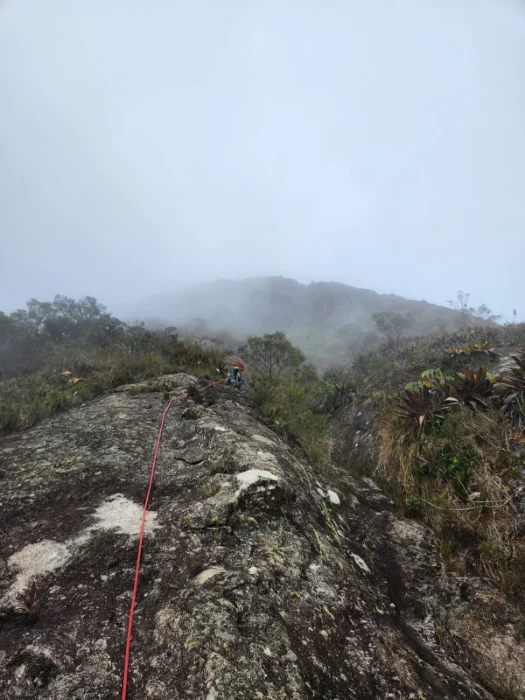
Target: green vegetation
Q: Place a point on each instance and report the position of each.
(59, 354)
(448, 429)
(272, 354)
(474, 350)
(396, 362)
(449, 442)
(454, 460)
(342, 391)
(290, 392)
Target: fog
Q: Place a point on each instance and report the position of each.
(149, 145)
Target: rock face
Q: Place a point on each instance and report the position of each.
(260, 577)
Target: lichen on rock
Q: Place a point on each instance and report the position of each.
(260, 578)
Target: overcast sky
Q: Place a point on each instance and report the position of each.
(146, 144)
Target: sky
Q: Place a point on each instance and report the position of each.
(147, 145)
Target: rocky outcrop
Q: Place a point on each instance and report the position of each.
(261, 577)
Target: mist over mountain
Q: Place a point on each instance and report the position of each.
(319, 317)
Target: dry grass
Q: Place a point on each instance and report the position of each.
(462, 478)
(450, 450)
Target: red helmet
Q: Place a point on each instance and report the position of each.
(238, 364)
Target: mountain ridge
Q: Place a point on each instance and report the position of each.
(322, 318)
(272, 287)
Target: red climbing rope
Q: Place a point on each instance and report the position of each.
(141, 538)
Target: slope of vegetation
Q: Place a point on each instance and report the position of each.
(447, 432)
(290, 392)
(54, 355)
(448, 440)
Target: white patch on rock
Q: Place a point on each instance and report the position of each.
(252, 476)
(207, 423)
(41, 558)
(360, 563)
(253, 570)
(321, 492)
(120, 514)
(207, 574)
(334, 498)
(37, 560)
(266, 457)
(261, 438)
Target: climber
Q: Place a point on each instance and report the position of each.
(235, 377)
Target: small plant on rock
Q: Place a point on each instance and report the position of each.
(341, 388)
(28, 599)
(474, 388)
(194, 394)
(413, 506)
(423, 409)
(424, 404)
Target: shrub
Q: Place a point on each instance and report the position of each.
(465, 449)
(423, 409)
(445, 448)
(272, 354)
(473, 388)
(290, 393)
(289, 405)
(402, 356)
(460, 472)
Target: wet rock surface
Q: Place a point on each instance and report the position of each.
(261, 577)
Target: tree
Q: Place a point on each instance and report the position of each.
(392, 324)
(468, 313)
(6, 333)
(29, 336)
(484, 313)
(272, 354)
